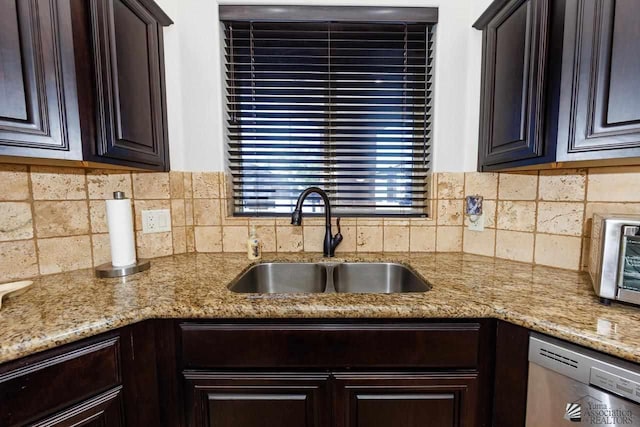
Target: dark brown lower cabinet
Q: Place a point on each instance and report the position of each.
(289, 373)
(511, 374)
(105, 410)
(258, 400)
(36, 387)
(108, 380)
(405, 399)
(377, 399)
(341, 374)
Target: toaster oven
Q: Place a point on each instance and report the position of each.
(614, 257)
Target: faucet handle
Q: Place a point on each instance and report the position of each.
(335, 240)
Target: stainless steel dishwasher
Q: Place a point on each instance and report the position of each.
(573, 386)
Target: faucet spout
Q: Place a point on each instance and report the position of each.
(330, 242)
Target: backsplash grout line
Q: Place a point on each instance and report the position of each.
(33, 219)
(86, 190)
(535, 217)
(584, 221)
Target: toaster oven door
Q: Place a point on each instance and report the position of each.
(629, 274)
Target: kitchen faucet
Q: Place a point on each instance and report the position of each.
(330, 242)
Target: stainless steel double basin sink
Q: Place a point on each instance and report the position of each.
(347, 277)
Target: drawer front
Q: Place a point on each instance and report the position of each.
(104, 410)
(40, 385)
(432, 345)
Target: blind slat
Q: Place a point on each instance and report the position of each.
(313, 168)
(273, 177)
(345, 106)
(347, 188)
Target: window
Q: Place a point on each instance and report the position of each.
(336, 102)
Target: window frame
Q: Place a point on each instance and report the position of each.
(268, 13)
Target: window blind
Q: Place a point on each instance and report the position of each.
(344, 106)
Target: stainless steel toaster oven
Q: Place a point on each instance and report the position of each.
(614, 258)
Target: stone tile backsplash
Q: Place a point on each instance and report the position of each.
(52, 219)
(545, 217)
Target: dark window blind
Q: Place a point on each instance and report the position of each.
(344, 106)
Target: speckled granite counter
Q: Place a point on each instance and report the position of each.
(66, 307)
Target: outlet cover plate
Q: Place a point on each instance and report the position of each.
(156, 221)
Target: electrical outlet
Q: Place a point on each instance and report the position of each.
(473, 205)
(156, 221)
(473, 211)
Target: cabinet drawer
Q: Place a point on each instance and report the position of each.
(427, 345)
(40, 385)
(104, 410)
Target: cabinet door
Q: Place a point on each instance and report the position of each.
(513, 84)
(128, 61)
(257, 400)
(600, 111)
(38, 108)
(405, 400)
(104, 410)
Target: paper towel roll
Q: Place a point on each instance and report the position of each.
(120, 223)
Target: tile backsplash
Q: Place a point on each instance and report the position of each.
(545, 217)
(52, 219)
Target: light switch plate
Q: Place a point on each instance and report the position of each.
(156, 221)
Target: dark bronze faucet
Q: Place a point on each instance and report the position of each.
(330, 242)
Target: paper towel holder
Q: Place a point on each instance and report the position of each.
(107, 270)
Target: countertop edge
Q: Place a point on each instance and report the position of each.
(68, 307)
(77, 332)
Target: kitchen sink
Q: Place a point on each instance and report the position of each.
(376, 278)
(277, 278)
(349, 277)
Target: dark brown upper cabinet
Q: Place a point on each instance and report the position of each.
(600, 93)
(513, 82)
(38, 107)
(560, 84)
(128, 75)
(83, 80)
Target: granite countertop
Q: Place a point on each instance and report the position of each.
(66, 307)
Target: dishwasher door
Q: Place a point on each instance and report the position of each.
(554, 400)
(572, 386)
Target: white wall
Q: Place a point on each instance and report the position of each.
(195, 89)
